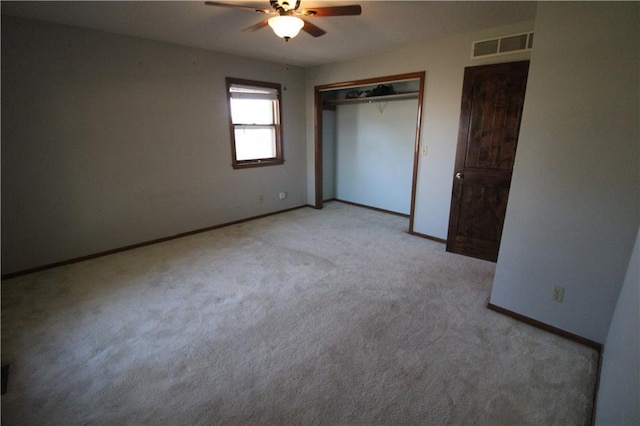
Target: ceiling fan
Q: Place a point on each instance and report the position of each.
(288, 20)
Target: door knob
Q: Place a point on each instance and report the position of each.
(459, 176)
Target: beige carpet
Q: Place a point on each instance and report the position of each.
(331, 317)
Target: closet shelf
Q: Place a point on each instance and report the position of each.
(394, 97)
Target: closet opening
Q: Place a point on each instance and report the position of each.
(367, 137)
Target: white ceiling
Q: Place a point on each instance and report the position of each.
(382, 26)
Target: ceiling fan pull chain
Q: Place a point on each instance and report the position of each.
(286, 76)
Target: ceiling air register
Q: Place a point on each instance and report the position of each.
(502, 45)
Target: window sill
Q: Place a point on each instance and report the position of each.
(257, 163)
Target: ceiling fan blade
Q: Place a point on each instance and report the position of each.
(257, 26)
(333, 11)
(237, 6)
(312, 29)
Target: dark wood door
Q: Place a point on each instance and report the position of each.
(492, 100)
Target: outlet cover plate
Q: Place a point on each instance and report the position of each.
(557, 295)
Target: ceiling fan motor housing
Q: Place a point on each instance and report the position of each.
(284, 5)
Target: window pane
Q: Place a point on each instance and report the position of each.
(485, 48)
(509, 44)
(252, 111)
(254, 115)
(253, 143)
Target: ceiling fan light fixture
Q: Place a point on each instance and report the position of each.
(285, 26)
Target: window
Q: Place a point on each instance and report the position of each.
(254, 114)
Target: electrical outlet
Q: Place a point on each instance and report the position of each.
(261, 198)
(557, 295)
(283, 195)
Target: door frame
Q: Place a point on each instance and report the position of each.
(318, 90)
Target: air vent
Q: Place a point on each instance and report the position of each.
(502, 45)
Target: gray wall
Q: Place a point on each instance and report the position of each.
(619, 390)
(573, 210)
(110, 140)
(374, 153)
